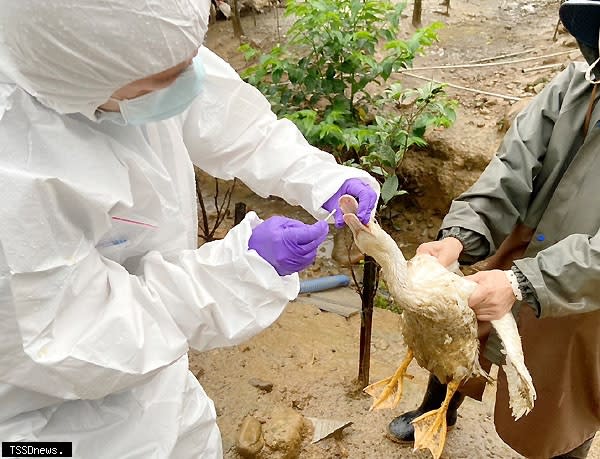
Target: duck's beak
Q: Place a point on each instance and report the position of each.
(349, 207)
(355, 225)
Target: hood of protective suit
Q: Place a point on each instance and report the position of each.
(71, 55)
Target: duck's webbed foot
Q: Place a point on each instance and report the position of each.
(388, 392)
(431, 427)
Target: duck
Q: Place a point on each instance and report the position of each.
(439, 330)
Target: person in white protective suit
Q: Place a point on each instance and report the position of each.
(105, 105)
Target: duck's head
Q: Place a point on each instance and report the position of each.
(370, 238)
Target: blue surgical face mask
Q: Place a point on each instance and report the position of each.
(161, 104)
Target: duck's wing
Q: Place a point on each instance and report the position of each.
(520, 386)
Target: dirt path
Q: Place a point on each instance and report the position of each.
(310, 357)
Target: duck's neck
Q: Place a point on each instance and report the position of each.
(396, 277)
(394, 267)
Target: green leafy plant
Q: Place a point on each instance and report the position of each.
(395, 132)
(327, 79)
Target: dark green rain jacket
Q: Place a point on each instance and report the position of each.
(546, 176)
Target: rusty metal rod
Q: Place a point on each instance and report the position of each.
(239, 213)
(370, 278)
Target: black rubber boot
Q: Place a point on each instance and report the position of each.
(402, 431)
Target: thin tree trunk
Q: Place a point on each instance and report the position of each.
(236, 21)
(416, 17)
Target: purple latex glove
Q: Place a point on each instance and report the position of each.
(362, 192)
(287, 244)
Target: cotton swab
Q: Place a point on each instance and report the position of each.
(330, 215)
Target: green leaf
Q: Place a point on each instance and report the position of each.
(388, 156)
(276, 75)
(330, 72)
(363, 35)
(377, 170)
(387, 68)
(389, 188)
(248, 51)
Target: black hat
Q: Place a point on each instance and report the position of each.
(582, 19)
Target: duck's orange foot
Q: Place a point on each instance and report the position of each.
(431, 427)
(388, 392)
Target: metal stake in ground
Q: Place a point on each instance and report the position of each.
(239, 213)
(370, 281)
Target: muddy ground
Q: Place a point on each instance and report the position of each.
(307, 361)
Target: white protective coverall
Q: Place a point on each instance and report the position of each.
(102, 286)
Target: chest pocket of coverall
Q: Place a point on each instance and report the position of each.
(129, 236)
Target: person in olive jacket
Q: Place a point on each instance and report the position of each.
(534, 216)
